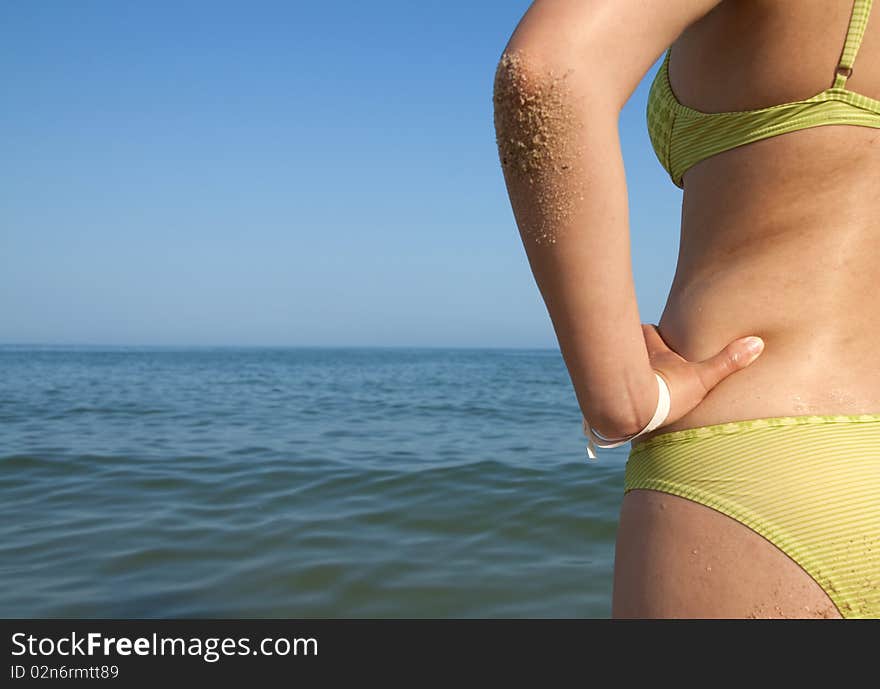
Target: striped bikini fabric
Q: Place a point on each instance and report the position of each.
(682, 136)
(808, 484)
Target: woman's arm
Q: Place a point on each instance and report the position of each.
(560, 84)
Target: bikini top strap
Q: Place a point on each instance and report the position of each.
(857, 23)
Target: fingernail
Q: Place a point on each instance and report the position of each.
(754, 344)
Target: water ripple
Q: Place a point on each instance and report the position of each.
(299, 482)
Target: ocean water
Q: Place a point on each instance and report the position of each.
(299, 482)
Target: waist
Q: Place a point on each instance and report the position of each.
(820, 329)
(732, 433)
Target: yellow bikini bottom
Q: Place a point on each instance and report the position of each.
(808, 484)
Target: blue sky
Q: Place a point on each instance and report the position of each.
(275, 173)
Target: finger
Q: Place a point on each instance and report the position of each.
(734, 357)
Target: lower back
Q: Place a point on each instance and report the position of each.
(781, 239)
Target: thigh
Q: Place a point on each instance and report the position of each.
(676, 558)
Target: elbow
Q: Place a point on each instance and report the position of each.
(523, 72)
(529, 73)
(536, 116)
(540, 49)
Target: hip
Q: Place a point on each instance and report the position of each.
(809, 485)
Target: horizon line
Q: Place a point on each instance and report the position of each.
(61, 345)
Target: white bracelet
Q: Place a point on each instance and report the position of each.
(660, 414)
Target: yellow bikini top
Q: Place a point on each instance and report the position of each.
(682, 136)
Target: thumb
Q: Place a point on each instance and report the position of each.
(734, 357)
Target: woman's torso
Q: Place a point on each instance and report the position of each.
(781, 237)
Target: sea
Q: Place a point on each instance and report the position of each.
(203, 482)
